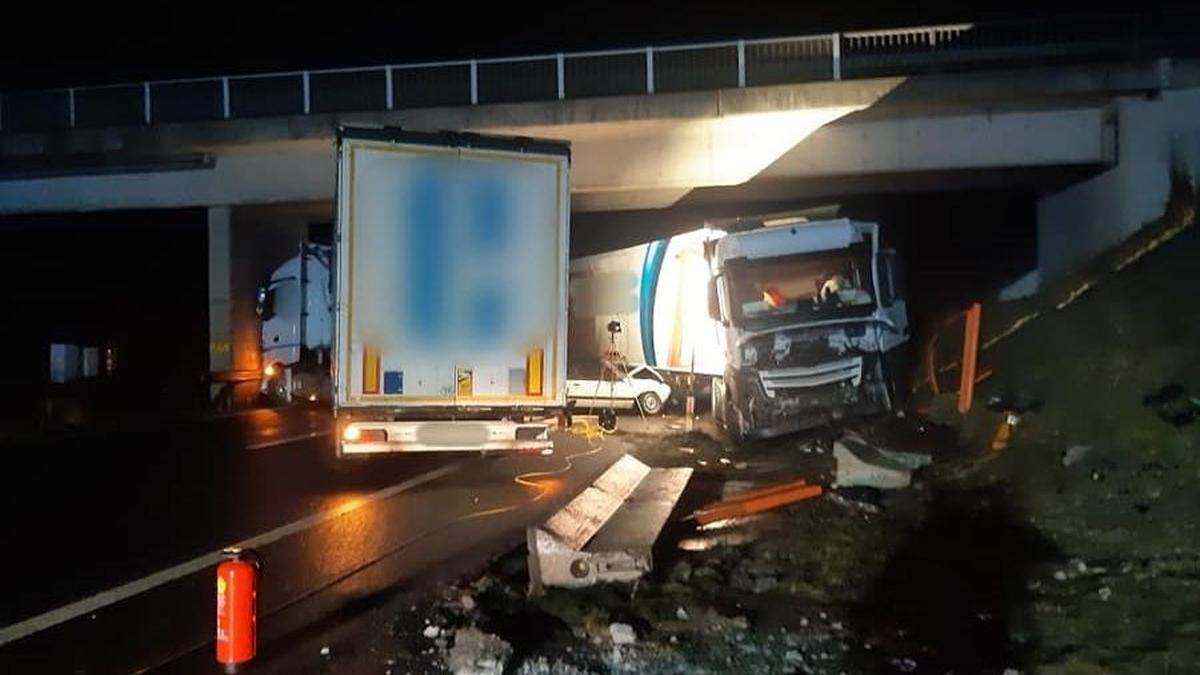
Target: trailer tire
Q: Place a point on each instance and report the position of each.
(650, 403)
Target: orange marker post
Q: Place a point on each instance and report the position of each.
(237, 609)
(970, 357)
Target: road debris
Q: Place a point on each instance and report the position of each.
(863, 466)
(622, 633)
(1075, 453)
(607, 531)
(1173, 404)
(477, 653)
(850, 498)
(754, 501)
(1004, 431)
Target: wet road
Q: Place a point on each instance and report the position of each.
(112, 514)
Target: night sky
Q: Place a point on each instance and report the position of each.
(95, 43)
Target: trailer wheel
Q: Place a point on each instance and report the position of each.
(650, 403)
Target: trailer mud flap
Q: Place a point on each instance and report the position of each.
(606, 532)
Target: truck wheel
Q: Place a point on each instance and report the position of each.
(650, 403)
(733, 424)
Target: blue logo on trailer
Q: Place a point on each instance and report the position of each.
(491, 235)
(656, 252)
(393, 381)
(426, 259)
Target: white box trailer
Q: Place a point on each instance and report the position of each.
(655, 291)
(451, 276)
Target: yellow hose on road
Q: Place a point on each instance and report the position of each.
(587, 430)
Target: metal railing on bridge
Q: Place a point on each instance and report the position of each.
(650, 70)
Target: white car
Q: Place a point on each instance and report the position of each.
(642, 384)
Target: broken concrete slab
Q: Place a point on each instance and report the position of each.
(864, 466)
(909, 460)
(576, 522)
(607, 532)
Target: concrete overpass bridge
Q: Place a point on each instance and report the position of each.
(1095, 115)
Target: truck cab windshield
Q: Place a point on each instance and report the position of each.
(803, 287)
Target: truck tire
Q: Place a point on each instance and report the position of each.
(733, 423)
(650, 403)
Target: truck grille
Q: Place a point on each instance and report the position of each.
(814, 376)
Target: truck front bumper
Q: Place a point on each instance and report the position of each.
(372, 437)
(772, 403)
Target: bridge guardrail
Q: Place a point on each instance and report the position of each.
(716, 65)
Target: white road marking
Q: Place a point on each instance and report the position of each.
(288, 439)
(113, 595)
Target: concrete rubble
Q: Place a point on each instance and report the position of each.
(477, 653)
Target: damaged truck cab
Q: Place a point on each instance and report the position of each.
(814, 325)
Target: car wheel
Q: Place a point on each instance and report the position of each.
(650, 403)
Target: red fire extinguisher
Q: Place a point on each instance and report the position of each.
(237, 608)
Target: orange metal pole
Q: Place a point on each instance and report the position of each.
(755, 501)
(759, 492)
(966, 387)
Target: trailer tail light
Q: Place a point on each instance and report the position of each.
(533, 373)
(370, 370)
(372, 436)
(355, 434)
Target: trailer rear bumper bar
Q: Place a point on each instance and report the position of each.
(374, 437)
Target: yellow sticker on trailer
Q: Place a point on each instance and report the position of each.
(533, 373)
(466, 382)
(370, 371)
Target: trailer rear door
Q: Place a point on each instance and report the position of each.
(451, 270)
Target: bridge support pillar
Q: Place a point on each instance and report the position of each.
(220, 304)
(1155, 138)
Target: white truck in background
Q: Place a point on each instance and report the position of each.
(451, 291)
(295, 308)
(803, 324)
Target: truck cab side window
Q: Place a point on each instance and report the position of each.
(265, 303)
(891, 283)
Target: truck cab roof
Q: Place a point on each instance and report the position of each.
(777, 240)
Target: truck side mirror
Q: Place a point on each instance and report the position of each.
(260, 301)
(714, 303)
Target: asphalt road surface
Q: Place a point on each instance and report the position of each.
(111, 540)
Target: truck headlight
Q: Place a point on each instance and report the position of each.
(749, 355)
(269, 371)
